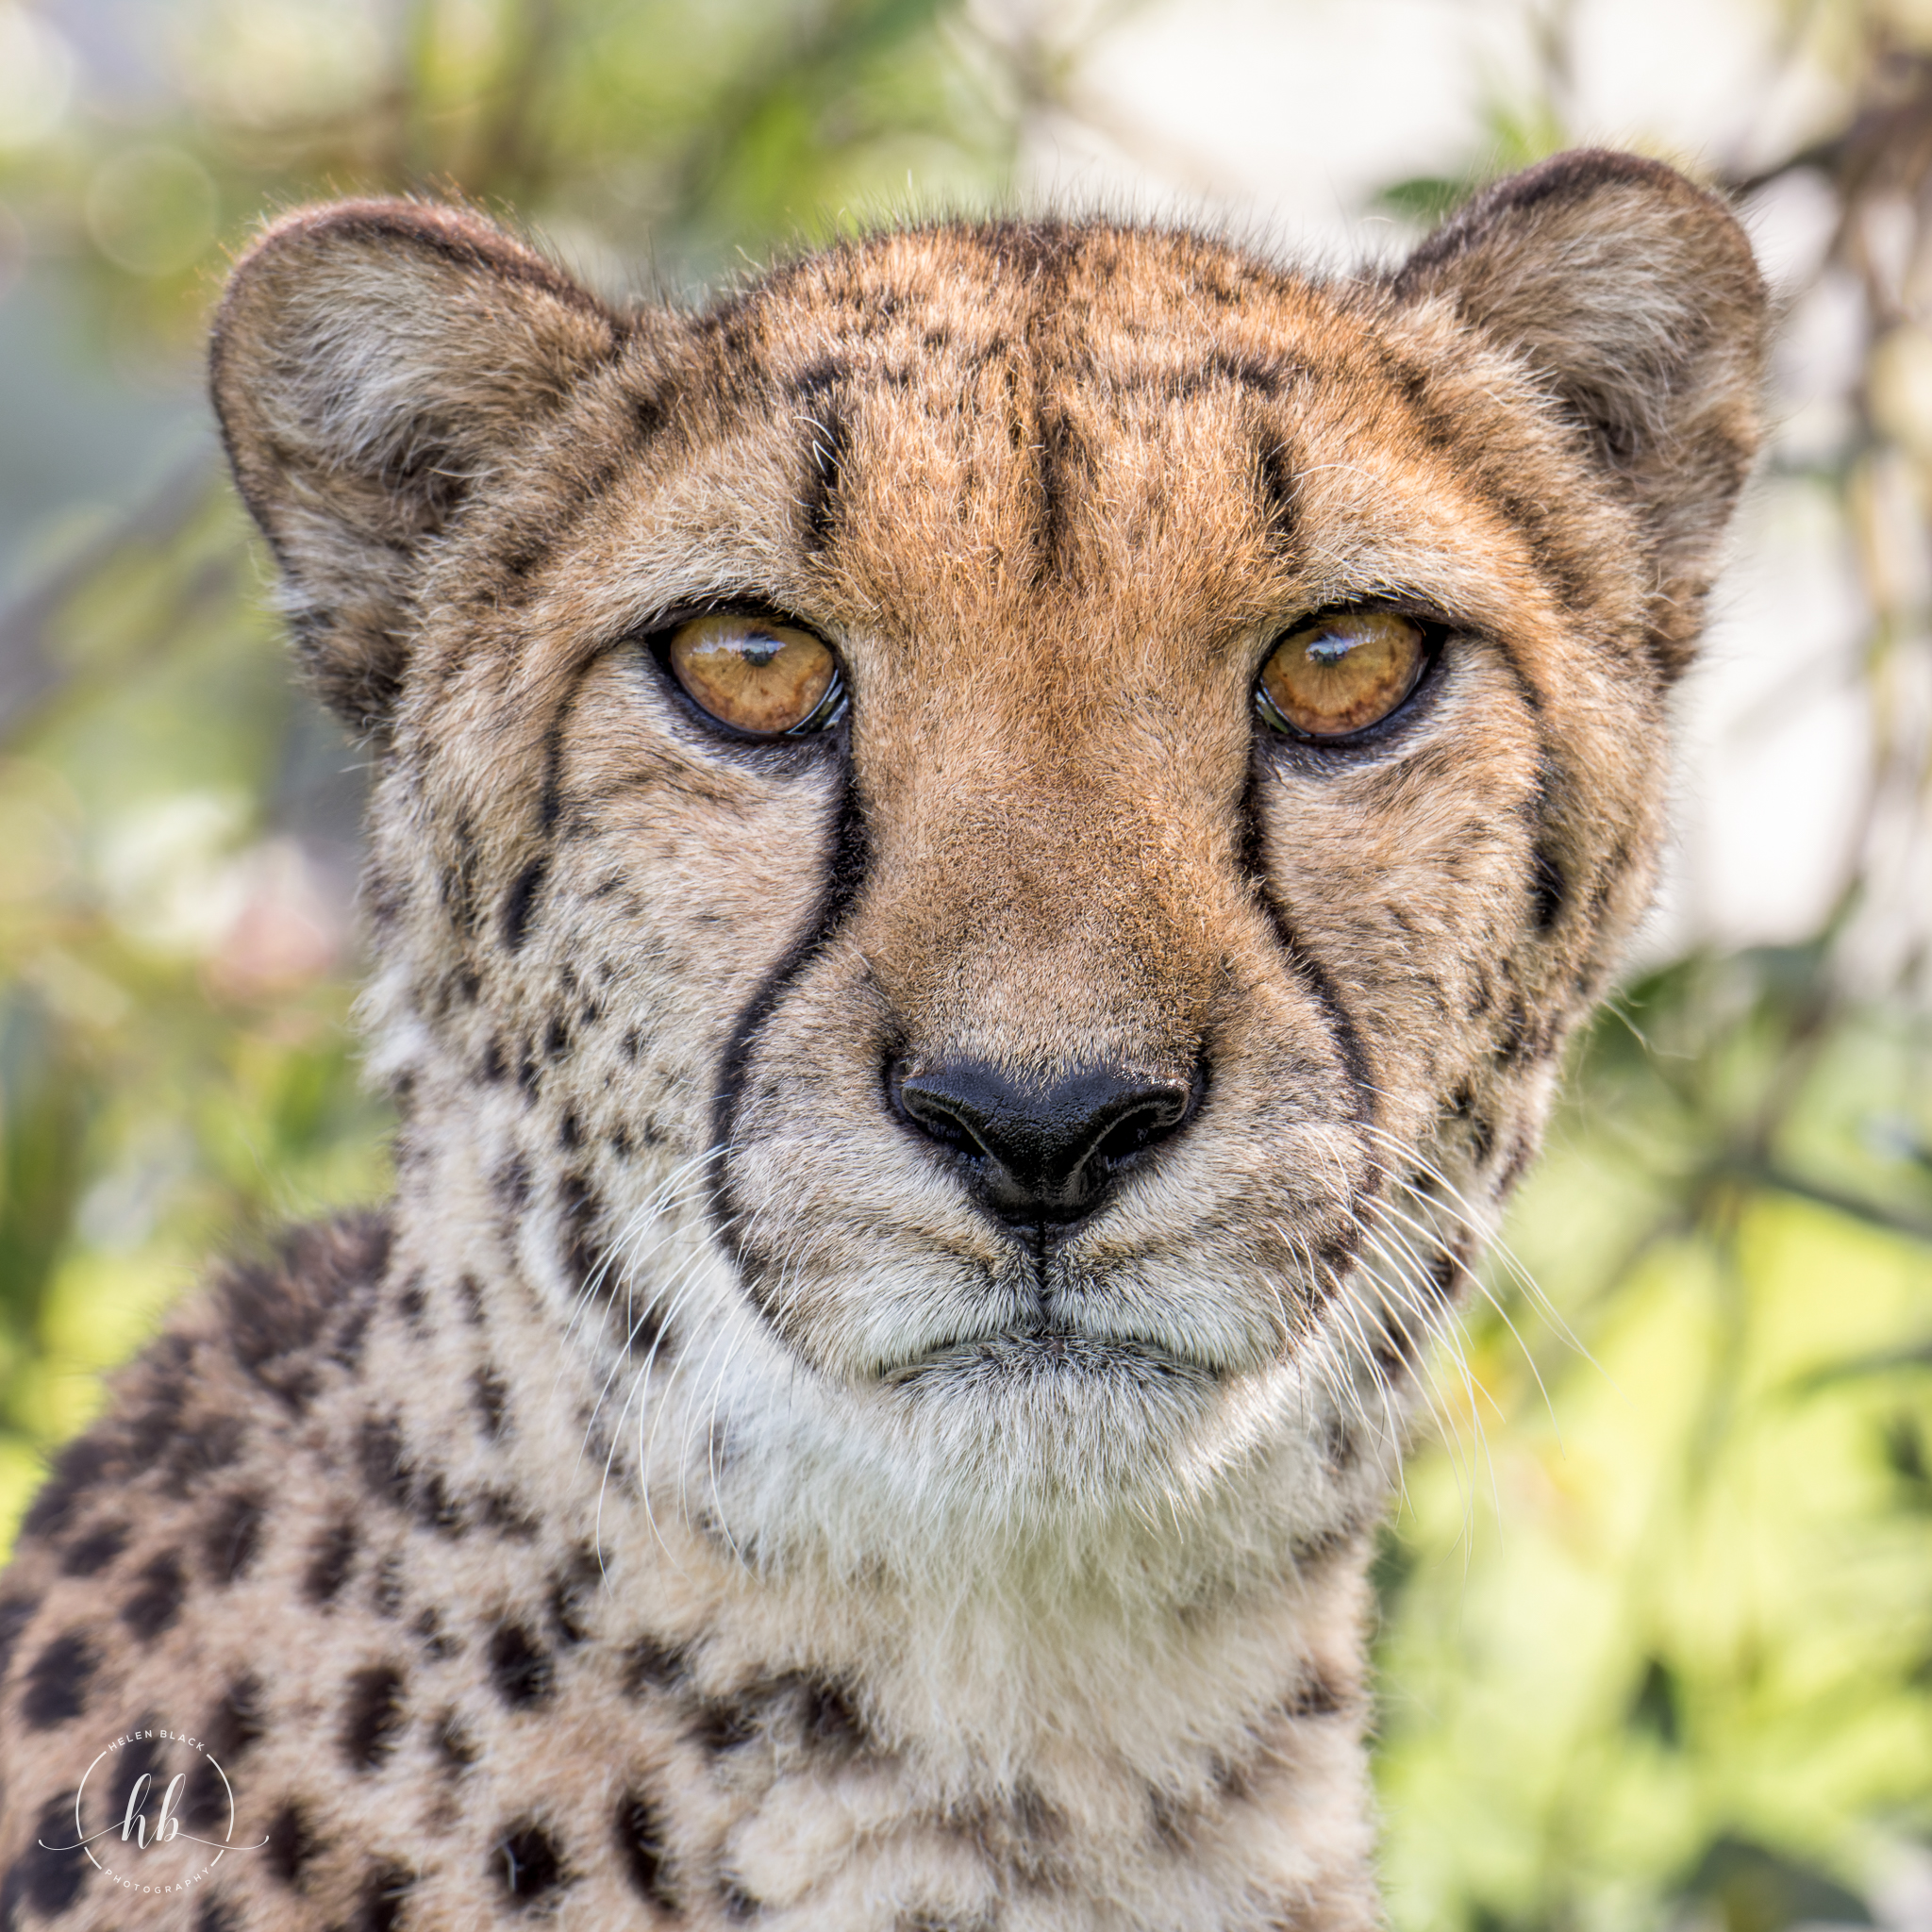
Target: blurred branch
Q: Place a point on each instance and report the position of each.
(1769, 1178)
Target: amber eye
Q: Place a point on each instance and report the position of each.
(1342, 672)
(768, 679)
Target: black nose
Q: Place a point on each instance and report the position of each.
(1041, 1150)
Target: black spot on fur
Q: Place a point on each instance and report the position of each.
(493, 1066)
(570, 1134)
(274, 1312)
(1172, 1818)
(373, 1715)
(738, 1904)
(380, 1904)
(572, 1592)
(581, 1213)
(648, 415)
(1314, 1696)
(529, 1075)
(1514, 1167)
(518, 907)
(641, 1847)
(201, 1452)
(386, 1587)
(155, 1605)
(526, 1862)
(292, 1843)
(413, 1301)
(16, 1614)
(502, 1513)
(511, 1184)
(722, 1724)
(490, 1394)
(520, 1667)
(219, 1915)
(385, 1467)
(649, 1665)
(556, 1040)
(1548, 890)
(470, 1292)
(439, 1644)
(455, 1747)
(47, 1881)
(236, 1721)
(436, 1509)
(346, 1350)
(57, 1682)
(329, 1563)
(1445, 1276)
(94, 1551)
(233, 1537)
(76, 1471)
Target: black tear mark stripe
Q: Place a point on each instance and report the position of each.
(550, 799)
(1345, 1036)
(844, 878)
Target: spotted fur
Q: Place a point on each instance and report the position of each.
(687, 1504)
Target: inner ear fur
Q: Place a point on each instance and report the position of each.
(1634, 297)
(372, 362)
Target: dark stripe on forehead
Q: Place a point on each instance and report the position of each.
(1280, 491)
(814, 393)
(1064, 465)
(827, 440)
(845, 873)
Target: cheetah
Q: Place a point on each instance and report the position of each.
(982, 855)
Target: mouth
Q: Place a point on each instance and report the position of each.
(1050, 1355)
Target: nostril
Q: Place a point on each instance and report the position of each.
(1141, 1126)
(925, 1101)
(1041, 1149)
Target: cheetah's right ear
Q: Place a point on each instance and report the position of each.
(371, 362)
(1632, 296)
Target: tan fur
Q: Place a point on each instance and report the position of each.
(731, 1500)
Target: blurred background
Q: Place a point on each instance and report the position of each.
(1656, 1607)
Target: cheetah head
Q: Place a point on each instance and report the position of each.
(984, 850)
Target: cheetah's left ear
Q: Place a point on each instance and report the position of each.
(1634, 295)
(374, 361)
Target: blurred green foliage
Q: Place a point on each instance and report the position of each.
(1656, 1642)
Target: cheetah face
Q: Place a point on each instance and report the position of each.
(993, 840)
